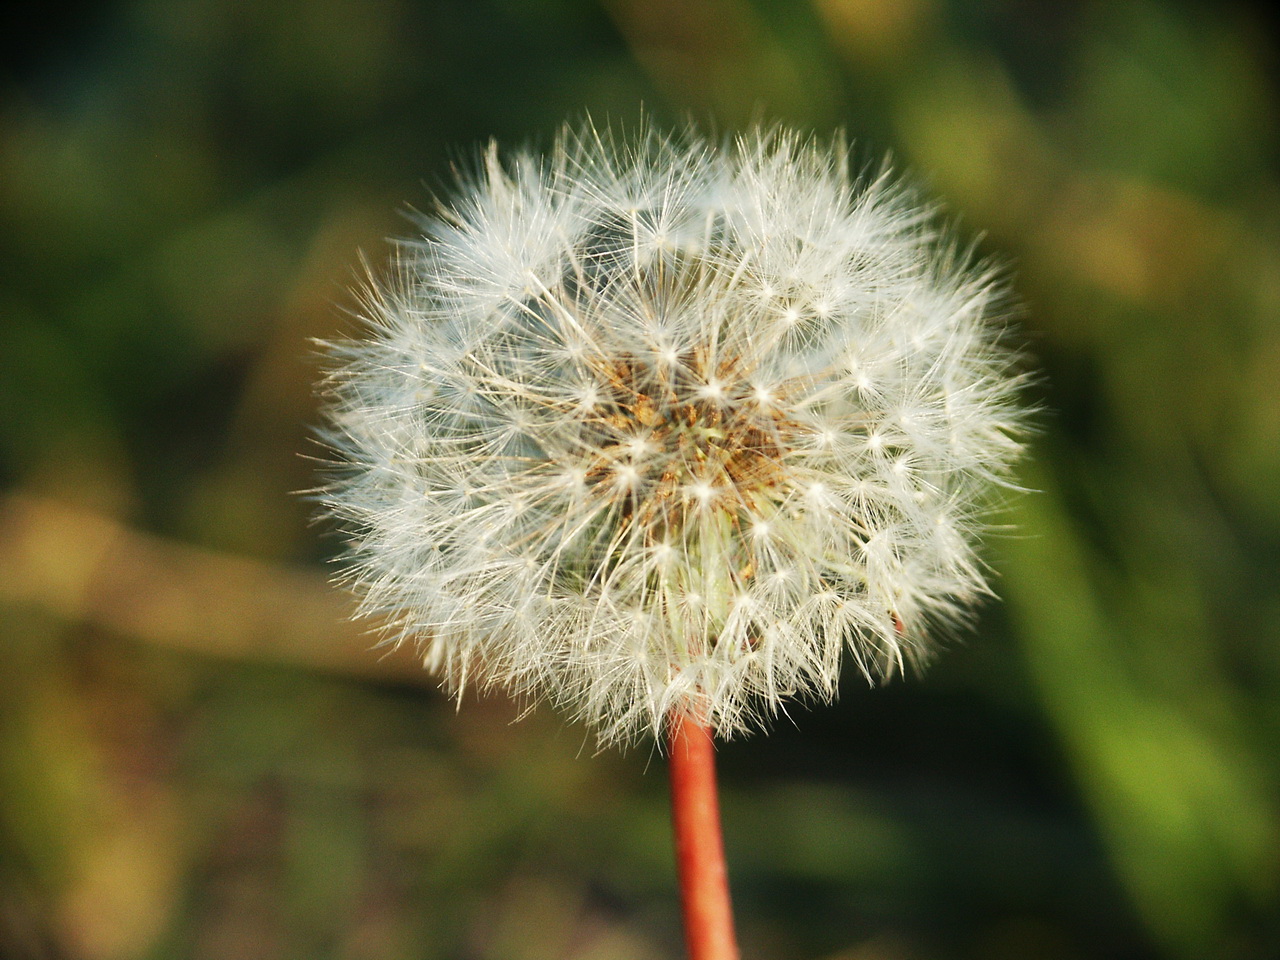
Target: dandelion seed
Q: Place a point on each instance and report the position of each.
(658, 429)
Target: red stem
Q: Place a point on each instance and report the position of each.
(695, 813)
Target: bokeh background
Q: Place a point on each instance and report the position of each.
(201, 758)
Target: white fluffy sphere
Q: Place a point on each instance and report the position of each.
(671, 426)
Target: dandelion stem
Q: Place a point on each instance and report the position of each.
(695, 814)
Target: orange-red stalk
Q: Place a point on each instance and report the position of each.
(695, 813)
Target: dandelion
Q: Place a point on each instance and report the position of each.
(663, 430)
(670, 427)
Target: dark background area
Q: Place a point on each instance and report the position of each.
(200, 757)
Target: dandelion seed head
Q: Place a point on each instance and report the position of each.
(665, 425)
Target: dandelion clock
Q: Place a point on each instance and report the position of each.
(662, 430)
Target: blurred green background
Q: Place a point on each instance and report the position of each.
(201, 758)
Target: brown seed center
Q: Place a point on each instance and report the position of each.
(682, 436)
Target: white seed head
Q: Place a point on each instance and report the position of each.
(668, 425)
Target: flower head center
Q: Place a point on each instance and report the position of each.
(688, 434)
